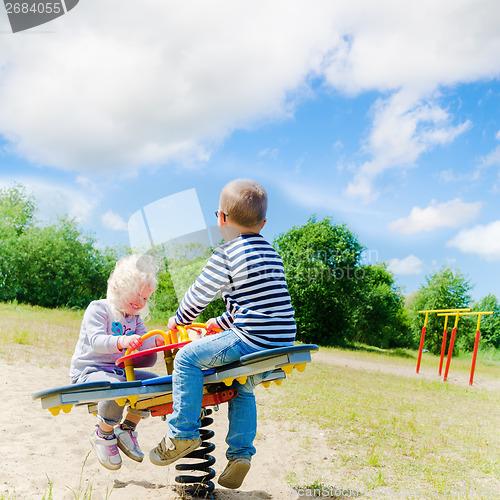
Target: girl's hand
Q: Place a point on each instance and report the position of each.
(159, 341)
(131, 342)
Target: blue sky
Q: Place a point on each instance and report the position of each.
(382, 115)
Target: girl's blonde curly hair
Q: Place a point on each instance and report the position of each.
(130, 275)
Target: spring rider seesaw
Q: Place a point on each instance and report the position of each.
(155, 394)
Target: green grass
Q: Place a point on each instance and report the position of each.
(392, 433)
(85, 493)
(28, 331)
(487, 364)
(49, 335)
(396, 352)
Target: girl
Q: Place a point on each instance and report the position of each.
(110, 326)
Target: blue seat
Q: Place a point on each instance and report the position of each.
(84, 387)
(168, 379)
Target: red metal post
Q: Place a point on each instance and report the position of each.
(443, 349)
(474, 356)
(450, 353)
(420, 349)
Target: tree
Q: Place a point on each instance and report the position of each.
(48, 265)
(57, 266)
(17, 210)
(490, 325)
(322, 263)
(446, 289)
(380, 318)
(165, 301)
(182, 265)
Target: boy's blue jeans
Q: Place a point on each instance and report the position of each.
(187, 390)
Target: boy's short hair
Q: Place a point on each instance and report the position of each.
(244, 201)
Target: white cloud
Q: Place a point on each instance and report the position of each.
(171, 79)
(403, 129)
(408, 266)
(84, 182)
(447, 176)
(269, 152)
(390, 44)
(321, 197)
(166, 82)
(113, 221)
(410, 51)
(454, 213)
(491, 159)
(56, 200)
(482, 240)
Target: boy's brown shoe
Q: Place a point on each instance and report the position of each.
(234, 473)
(169, 450)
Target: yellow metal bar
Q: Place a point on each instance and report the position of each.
(444, 310)
(129, 364)
(445, 321)
(465, 314)
(482, 313)
(426, 318)
(155, 332)
(457, 314)
(479, 316)
(184, 337)
(129, 370)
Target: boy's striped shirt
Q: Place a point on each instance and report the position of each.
(250, 275)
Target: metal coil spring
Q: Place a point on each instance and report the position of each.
(200, 484)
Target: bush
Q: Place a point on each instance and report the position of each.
(181, 268)
(446, 289)
(57, 266)
(490, 325)
(380, 318)
(321, 261)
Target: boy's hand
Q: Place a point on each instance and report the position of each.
(211, 324)
(172, 325)
(131, 342)
(159, 340)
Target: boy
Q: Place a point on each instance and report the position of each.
(249, 273)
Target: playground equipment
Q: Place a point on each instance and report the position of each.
(476, 342)
(447, 313)
(155, 394)
(424, 329)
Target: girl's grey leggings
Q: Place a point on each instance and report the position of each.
(111, 412)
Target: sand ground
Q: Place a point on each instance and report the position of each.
(39, 449)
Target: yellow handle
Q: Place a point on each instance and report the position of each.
(129, 364)
(203, 325)
(169, 337)
(184, 337)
